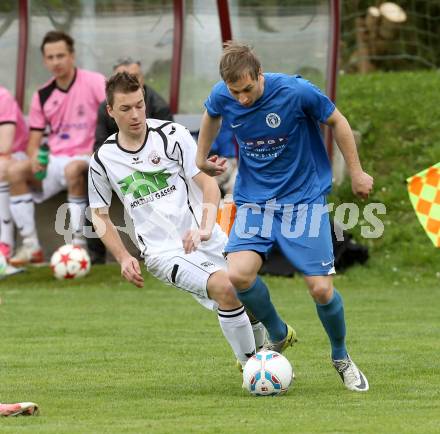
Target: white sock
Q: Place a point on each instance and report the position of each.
(237, 329)
(23, 213)
(259, 334)
(77, 210)
(6, 224)
(259, 331)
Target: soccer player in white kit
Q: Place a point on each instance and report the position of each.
(150, 165)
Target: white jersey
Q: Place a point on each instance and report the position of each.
(154, 184)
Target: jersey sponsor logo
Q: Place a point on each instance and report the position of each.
(207, 264)
(141, 184)
(81, 111)
(261, 149)
(152, 197)
(273, 120)
(154, 158)
(236, 125)
(63, 129)
(137, 160)
(266, 142)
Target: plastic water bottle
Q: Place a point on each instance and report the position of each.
(43, 159)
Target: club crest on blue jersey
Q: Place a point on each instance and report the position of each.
(273, 120)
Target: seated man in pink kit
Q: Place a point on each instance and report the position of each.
(67, 105)
(13, 140)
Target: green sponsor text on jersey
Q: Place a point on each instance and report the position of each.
(142, 184)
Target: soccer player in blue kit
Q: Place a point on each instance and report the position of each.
(283, 178)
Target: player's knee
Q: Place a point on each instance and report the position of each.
(75, 171)
(17, 171)
(221, 290)
(321, 292)
(3, 169)
(241, 280)
(226, 297)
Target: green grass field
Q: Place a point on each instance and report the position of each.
(101, 356)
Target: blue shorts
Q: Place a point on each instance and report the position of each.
(302, 232)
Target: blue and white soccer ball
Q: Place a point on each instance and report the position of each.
(267, 373)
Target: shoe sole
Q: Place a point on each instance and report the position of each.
(18, 263)
(36, 259)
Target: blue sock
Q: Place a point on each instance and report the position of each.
(332, 318)
(257, 300)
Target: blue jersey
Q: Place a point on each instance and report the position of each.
(281, 152)
(225, 144)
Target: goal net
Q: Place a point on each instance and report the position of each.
(399, 35)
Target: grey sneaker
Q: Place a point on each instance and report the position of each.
(351, 375)
(288, 341)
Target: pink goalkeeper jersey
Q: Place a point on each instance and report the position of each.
(71, 114)
(10, 113)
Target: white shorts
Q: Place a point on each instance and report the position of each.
(190, 272)
(55, 180)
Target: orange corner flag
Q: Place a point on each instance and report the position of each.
(424, 193)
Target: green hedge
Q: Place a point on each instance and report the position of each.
(398, 115)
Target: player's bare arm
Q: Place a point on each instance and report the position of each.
(361, 182)
(209, 128)
(109, 235)
(7, 133)
(211, 198)
(35, 138)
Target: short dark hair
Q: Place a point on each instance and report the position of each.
(125, 61)
(56, 36)
(121, 82)
(238, 60)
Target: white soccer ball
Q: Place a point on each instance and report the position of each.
(267, 373)
(70, 262)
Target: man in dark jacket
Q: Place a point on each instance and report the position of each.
(155, 107)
